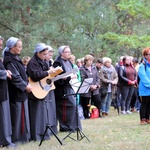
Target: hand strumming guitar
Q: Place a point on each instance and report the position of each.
(28, 88)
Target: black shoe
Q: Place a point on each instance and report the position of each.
(100, 116)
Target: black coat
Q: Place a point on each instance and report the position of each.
(3, 83)
(123, 80)
(16, 85)
(37, 69)
(61, 84)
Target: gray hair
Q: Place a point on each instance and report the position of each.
(106, 59)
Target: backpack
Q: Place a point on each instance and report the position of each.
(138, 78)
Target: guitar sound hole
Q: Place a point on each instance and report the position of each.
(48, 81)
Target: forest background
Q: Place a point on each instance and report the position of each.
(102, 27)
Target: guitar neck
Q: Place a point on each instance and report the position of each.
(64, 75)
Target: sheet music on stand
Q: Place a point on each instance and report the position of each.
(84, 88)
(80, 89)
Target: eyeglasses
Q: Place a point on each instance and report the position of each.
(66, 52)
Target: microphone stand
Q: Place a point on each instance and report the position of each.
(48, 127)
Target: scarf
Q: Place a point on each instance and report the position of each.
(108, 70)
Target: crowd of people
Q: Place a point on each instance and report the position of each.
(24, 116)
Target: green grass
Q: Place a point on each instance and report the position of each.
(114, 132)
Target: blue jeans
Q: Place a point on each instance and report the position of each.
(106, 102)
(137, 104)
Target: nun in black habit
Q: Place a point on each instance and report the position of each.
(65, 106)
(18, 87)
(5, 119)
(42, 111)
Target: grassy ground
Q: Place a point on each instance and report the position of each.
(114, 132)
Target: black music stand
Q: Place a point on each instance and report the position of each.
(83, 88)
(49, 127)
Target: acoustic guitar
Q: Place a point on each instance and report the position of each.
(41, 88)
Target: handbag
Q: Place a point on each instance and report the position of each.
(94, 113)
(103, 91)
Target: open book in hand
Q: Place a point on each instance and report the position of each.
(57, 70)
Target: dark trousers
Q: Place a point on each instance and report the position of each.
(118, 96)
(145, 108)
(126, 93)
(95, 100)
(134, 98)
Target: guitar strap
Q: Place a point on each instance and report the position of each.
(41, 85)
